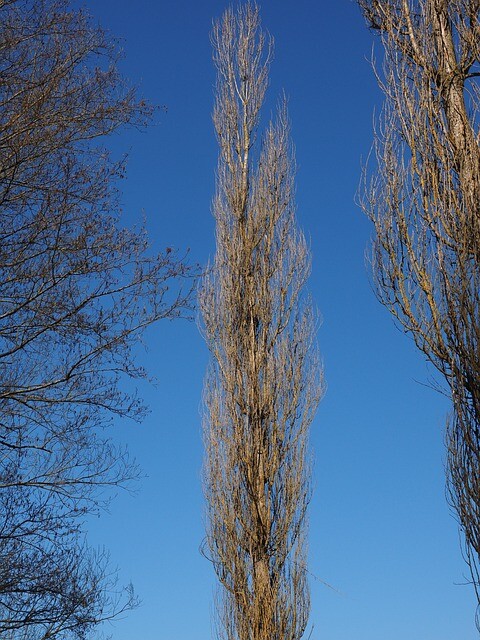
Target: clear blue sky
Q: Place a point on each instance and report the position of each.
(381, 533)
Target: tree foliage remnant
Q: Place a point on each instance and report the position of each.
(425, 204)
(264, 381)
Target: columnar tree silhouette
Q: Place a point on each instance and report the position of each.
(76, 291)
(425, 204)
(264, 381)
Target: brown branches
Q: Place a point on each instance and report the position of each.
(424, 203)
(264, 382)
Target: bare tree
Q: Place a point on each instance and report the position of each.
(76, 292)
(264, 380)
(424, 203)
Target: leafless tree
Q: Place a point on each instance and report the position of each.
(424, 203)
(264, 382)
(76, 292)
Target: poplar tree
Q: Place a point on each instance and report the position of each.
(264, 380)
(424, 201)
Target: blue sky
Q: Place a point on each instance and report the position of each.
(381, 534)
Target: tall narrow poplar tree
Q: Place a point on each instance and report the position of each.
(264, 381)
